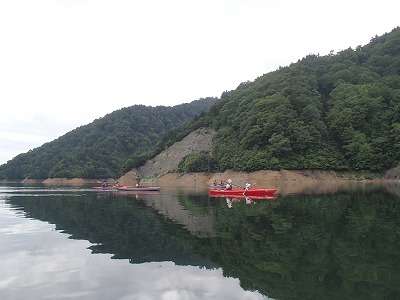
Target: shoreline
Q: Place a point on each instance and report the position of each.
(261, 178)
(287, 182)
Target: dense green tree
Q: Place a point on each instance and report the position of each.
(198, 162)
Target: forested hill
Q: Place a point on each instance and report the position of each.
(339, 111)
(99, 149)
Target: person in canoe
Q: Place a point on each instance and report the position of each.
(247, 186)
(104, 184)
(229, 184)
(117, 184)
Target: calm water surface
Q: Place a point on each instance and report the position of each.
(76, 243)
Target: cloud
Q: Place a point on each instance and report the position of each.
(20, 136)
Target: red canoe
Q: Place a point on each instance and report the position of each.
(107, 188)
(140, 188)
(217, 187)
(129, 188)
(241, 192)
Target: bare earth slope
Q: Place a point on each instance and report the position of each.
(168, 160)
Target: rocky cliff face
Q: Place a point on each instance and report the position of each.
(168, 160)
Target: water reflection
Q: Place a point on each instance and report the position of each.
(333, 187)
(39, 265)
(328, 246)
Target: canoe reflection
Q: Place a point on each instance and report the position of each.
(247, 200)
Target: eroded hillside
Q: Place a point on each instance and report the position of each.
(167, 161)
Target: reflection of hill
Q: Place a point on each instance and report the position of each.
(392, 187)
(314, 187)
(128, 229)
(341, 246)
(197, 224)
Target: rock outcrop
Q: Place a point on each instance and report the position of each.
(167, 161)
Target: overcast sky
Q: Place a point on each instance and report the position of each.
(65, 63)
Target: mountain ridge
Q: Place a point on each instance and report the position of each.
(337, 112)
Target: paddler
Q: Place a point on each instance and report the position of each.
(229, 184)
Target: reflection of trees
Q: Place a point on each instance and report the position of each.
(303, 247)
(317, 187)
(343, 246)
(119, 225)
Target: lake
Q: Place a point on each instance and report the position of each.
(77, 243)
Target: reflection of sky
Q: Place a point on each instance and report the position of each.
(40, 263)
